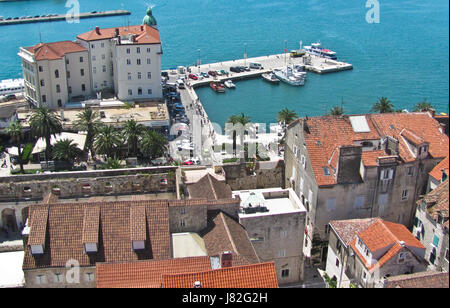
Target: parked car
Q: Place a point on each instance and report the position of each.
(193, 76)
(159, 161)
(212, 73)
(192, 161)
(205, 75)
(235, 69)
(224, 72)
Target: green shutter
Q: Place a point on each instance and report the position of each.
(436, 241)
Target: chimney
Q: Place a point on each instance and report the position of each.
(197, 285)
(117, 32)
(402, 243)
(226, 259)
(142, 28)
(97, 30)
(349, 164)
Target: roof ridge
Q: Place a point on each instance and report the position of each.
(222, 216)
(397, 240)
(212, 185)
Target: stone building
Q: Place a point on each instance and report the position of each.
(275, 222)
(422, 280)
(360, 166)
(365, 251)
(431, 226)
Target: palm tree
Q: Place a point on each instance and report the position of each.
(286, 116)
(383, 105)
(238, 119)
(107, 141)
(132, 131)
(153, 143)
(45, 123)
(423, 106)
(336, 111)
(15, 132)
(112, 163)
(66, 151)
(88, 120)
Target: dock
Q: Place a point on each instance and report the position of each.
(56, 17)
(312, 63)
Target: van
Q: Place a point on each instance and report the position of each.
(256, 65)
(180, 84)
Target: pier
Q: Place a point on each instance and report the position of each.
(55, 17)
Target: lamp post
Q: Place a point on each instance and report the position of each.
(199, 61)
(285, 50)
(245, 54)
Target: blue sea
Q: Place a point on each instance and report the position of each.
(405, 57)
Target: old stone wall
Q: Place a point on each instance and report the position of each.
(57, 278)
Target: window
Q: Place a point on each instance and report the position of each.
(93, 58)
(183, 211)
(446, 255)
(387, 174)
(70, 90)
(401, 257)
(182, 223)
(138, 50)
(42, 83)
(104, 68)
(83, 87)
(283, 234)
(302, 181)
(40, 69)
(103, 45)
(59, 103)
(81, 59)
(93, 46)
(149, 91)
(139, 75)
(58, 88)
(67, 61)
(327, 229)
(285, 273)
(331, 204)
(56, 74)
(149, 75)
(89, 277)
(94, 69)
(128, 50)
(58, 277)
(326, 171)
(303, 161)
(337, 262)
(103, 56)
(44, 98)
(68, 74)
(405, 194)
(148, 50)
(41, 279)
(138, 61)
(149, 61)
(359, 201)
(82, 72)
(129, 76)
(139, 91)
(128, 62)
(130, 92)
(433, 255)
(282, 253)
(410, 171)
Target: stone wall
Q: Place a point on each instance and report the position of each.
(265, 175)
(57, 278)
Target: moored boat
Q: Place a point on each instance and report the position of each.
(217, 87)
(317, 50)
(291, 76)
(270, 77)
(229, 84)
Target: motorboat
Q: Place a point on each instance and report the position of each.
(270, 77)
(229, 84)
(291, 76)
(217, 87)
(317, 50)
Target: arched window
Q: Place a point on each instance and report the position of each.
(56, 74)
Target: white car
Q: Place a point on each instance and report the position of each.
(159, 161)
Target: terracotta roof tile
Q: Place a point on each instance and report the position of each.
(428, 279)
(145, 34)
(146, 274)
(348, 229)
(262, 275)
(38, 224)
(91, 224)
(138, 228)
(438, 202)
(56, 50)
(210, 188)
(437, 171)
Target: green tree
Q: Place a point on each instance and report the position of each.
(45, 123)
(336, 111)
(111, 163)
(67, 151)
(132, 132)
(14, 130)
(153, 143)
(423, 106)
(383, 105)
(286, 116)
(107, 141)
(89, 121)
(238, 119)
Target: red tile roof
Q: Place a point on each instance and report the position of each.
(56, 50)
(262, 275)
(438, 202)
(437, 171)
(64, 234)
(144, 34)
(146, 274)
(334, 132)
(421, 280)
(376, 234)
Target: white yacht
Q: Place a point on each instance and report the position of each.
(11, 86)
(291, 76)
(229, 84)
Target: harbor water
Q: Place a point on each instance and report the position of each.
(404, 57)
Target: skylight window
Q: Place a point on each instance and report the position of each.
(326, 171)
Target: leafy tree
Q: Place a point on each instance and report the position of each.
(238, 119)
(423, 106)
(286, 116)
(89, 120)
(336, 111)
(16, 133)
(107, 141)
(153, 143)
(383, 105)
(132, 132)
(67, 151)
(45, 123)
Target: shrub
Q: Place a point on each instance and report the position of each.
(26, 153)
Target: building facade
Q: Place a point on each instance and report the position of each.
(346, 167)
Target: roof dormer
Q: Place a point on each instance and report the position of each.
(38, 230)
(138, 227)
(91, 226)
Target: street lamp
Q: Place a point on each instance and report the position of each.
(199, 61)
(285, 51)
(245, 54)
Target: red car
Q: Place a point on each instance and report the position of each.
(188, 163)
(212, 73)
(192, 76)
